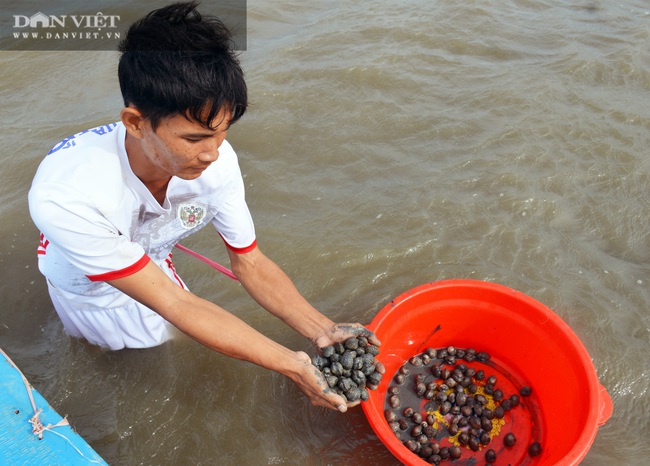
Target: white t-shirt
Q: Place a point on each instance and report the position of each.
(99, 222)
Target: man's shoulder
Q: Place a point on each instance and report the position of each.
(101, 136)
(93, 150)
(85, 166)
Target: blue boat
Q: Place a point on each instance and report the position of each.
(32, 432)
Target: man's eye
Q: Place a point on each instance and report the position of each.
(193, 139)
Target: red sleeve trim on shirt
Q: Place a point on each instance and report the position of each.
(243, 250)
(125, 272)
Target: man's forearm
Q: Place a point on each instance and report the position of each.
(274, 291)
(206, 322)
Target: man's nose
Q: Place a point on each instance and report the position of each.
(209, 155)
(210, 152)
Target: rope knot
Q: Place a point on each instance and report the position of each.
(38, 428)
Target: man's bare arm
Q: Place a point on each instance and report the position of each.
(221, 331)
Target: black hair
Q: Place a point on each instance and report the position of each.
(176, 61)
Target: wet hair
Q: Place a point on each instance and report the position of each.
(175, 61)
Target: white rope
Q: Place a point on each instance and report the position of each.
(37, 426)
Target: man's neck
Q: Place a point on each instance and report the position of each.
(143, 169)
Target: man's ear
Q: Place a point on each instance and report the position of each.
(133, 120)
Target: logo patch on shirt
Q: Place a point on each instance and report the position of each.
(191, 215)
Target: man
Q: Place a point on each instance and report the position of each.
(111, 203)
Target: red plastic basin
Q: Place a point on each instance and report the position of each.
(524, 337)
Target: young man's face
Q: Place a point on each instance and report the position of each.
(183, 148)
